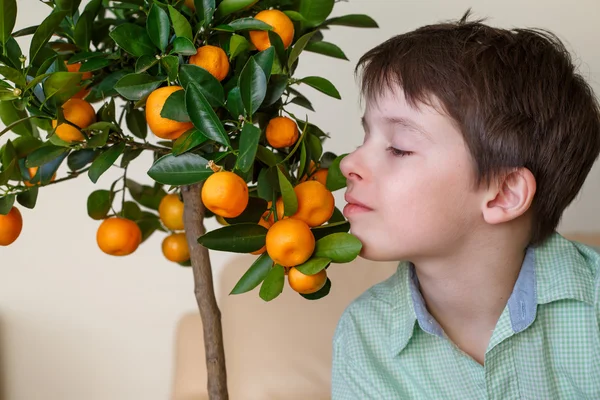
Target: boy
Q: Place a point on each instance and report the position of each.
(476, 140)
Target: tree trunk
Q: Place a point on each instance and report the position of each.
(204, 292)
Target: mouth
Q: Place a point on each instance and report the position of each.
(354, 207)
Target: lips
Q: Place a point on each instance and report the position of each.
(352, 201)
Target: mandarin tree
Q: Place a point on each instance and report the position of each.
(207, 87)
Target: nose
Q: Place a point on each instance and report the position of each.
(350, 166)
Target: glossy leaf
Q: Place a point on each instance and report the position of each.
(315, 11)
(252, 213)
(171, 65)
(147, 196)
(181, 25)
(298, 47)
(7, 19)
(235, 104)
(326, 48)
(314, 265)
(290, 201)
(248, 144)
(81, 158)
(203, 116)
(253, 86)
(335, 179)
(129, 155)
(174, 107)
(183, 46)
(188, 141)
(95, 64)
(98, 204)
(44, 32)
(13, 75)
(44, 155)
(209, 85)
(158, 27)
(131, 211)
(185, 169)
(28, 198)
(83, 30)
(144, 63)
(68, 5)
(253, 277)
(321, 84)
(277, 43)
(237, 44)
(227, 7)
(239, 238)
(6, 204)
(244, 24)
(205, 10)
(327, 229)
(104, 161)
(353, 20)
(339, 247)
(265, 60)
(133, 39)
(9, 114)
(275, 89)
(137, 86)
(61, 85)
(273, 284)
(136, 123)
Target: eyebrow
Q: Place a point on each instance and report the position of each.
(405, 122)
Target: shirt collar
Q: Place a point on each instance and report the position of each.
(556, 270)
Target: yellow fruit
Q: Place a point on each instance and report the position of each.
(118, 236)
(164, 128)
(175, 248)
(11, 225)
(213, 59)
(266, 224)
(282, 25)
(306, 284)
(315, 203)
(170, 212)
(79, 113)
(225, 194)
(282, 132)
(32, 171)
(290, 242)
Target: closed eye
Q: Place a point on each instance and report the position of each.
(398, 152)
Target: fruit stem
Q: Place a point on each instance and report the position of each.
(215, 168)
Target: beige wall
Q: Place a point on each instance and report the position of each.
(76, 324)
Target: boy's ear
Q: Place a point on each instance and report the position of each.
(509, 197)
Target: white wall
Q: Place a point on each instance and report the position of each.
(77, 324)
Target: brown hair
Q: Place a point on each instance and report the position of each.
(514, 95)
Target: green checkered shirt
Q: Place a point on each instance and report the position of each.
(546, 344)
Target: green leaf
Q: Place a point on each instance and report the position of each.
(137, 86)
(47, 170)
(68, 5)
(144, 63)
(188, 141)
(244, 24)
(147, 196)
(253, 86)
(277, 43)
(185, 169)
(237, 44)
(248, 145)
(44, 155)
(335, 179)
(181, 25)
(322, 85)
(7, 19)
(205, 10)
(339, 247)
(295, 16)
(95, 64)
(6, 204)
(174, 107)
(266, 156)
(315, 11)
(148, 224)
(252, 213)
(332, 227)
(11, 53)
(81, 158)
(183, 46)
(171, 65)
(105, 161)
(24, 145)
(298, 47)
(326, 48)
(98, 204)
(239, 238)
(83, 30)
(324, 291)
(235, 104)
(354, 20)
(10, 114)
(265, 60)
(136, 123)
(133, 39)
(257, 273)
(28, 198)
(13, 75)
(203, 116)
(230, 6)
(129, 155)
(314, 145)
(158, 27)
(290, 201)
(9, 153)
(131, 211)
(106, 88)
(61, 85)
(314, 265)
(275, 90)
(209, 85)
(272, 286)
(303, 102)
(98, 140)
(44, 32)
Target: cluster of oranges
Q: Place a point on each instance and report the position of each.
(289, 241)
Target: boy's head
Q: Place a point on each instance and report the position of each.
(510, 132)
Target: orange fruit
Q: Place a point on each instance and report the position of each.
(175, 248)
(279, 208)
(266, 224)
(32, 171)
(79, 113)
(290, 242)
(320, 176)
(315, 203)
(164, 128)
(282, 25)
(118, 236)
(306, 284)
(170, 212)
(282, 132)
(213, 59)
(11, 225)
(225, 194)
(85, 75)
(190, 4)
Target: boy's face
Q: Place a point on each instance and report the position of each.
(416, 188)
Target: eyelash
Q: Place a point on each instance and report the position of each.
(397, 152)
